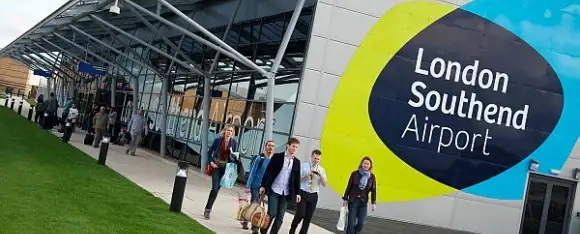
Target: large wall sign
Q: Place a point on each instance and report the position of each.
(454, 99)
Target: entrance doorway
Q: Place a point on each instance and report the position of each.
(548, 205)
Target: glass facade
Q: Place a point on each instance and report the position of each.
(238, 94)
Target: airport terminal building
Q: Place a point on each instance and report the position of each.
(468, 108)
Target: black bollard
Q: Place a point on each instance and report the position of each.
(30, 111)
(104, 150)
(6, 101)
(179, 187)
(12, 104)
(20, 108)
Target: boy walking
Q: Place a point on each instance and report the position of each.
(312, 177)
(282, 184)
(257, 169)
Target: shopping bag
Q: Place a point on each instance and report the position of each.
(243, 202)
(230, 176)
(340, 225)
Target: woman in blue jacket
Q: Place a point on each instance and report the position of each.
(219, 154)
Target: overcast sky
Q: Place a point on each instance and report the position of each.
(22, 15)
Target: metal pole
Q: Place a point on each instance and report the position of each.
(30, 111)
(53, 69)
(163, 142)
(213, 37)
(20, 108)
(206, 101)
(272, 74)
(163, 38)
(185, 65)
(135, 96)
(58, 57)
(179, 187)
(94, 55)
(114, 49)
(113, 91)
(103, 151)
(232, 55)
(48, 79)
(163, 126)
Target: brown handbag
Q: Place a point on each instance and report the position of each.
(256, 214)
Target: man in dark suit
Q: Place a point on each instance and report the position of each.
(281, 182)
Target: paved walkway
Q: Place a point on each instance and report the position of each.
(156, 175)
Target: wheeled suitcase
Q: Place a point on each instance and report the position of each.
(89, 138)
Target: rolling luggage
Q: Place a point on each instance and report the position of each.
(89, 138)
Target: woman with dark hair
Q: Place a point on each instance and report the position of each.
(219, 154)
(39, 108)
(356, 196)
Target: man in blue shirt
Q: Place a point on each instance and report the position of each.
(312, 176)
(257, 169)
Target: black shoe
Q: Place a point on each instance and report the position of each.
(206, 214)
(245, 225)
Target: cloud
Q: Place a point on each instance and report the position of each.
(23, 15)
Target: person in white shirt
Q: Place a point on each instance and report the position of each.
(137, 125)
(312, 176)
(70, 122)
(281, 182)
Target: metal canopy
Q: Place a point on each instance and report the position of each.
(84, 30)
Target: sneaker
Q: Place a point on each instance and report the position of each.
(127, 151)
(245, 225)
(206, 214)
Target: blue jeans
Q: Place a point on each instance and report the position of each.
(216, 177)
(277, 205)
(357, 213)
(254, 194)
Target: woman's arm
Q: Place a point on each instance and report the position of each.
(212, 149)
(348, 187)
(234, 145)
(374, 190)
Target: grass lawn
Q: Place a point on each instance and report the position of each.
(30, 101)
(52, 188)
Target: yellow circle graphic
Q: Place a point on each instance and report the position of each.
(348, 134)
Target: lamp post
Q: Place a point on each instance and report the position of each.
(104, 150)
(179, 187)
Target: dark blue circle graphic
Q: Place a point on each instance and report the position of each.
(465, 100)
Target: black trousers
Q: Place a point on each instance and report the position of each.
(304, 212)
